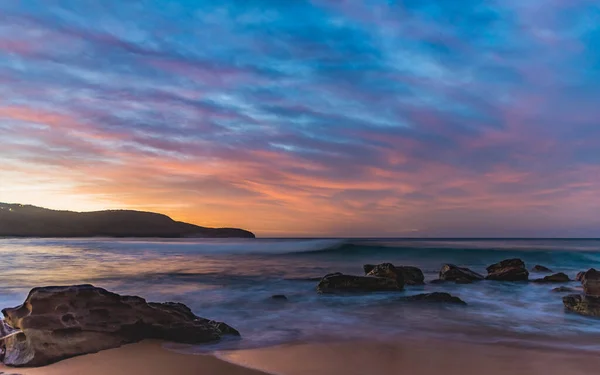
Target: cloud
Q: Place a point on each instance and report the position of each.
(308, 117)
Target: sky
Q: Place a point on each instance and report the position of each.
(308, 118)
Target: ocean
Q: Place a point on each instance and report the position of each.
(233, 280)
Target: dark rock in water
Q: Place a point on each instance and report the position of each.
(368, 268)
(463, 281)
(556, 278)
(388, 270)
(450, 272)
(591, 283)
(437, 281)
(564, 289)
(584, 305)
(340, 283)
(508, 270)
(435, 297)
(411, 275)
(65, 321)
(279, 297)
(581, 275)
(538, 268)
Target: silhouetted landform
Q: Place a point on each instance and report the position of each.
(18, 220)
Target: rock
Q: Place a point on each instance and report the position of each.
(388, 270)
(564, 289)
(508, 270)
(412, 275)
(538, 268)
(340, 283)
(435, 297)
(463, 281)
(591, 283)
(279, 297)
(584, 305)
(368, 268)
(437, 281)
(581, 276)
(450, 272)
(65, 321)
(556, 278)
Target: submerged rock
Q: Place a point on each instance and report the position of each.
(538, 268)
(340, 283)
(450, 272)
(411, 275)
(591, 283)
(279, 297)
(564, 289)
(508, 270)
(437, 297)
(584, 305)
(65, 321)
(437, 281)
(556, 278)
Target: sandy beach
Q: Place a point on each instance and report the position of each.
(147, 358)
(416, 357)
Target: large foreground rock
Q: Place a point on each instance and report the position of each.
(508, 270)
(437, 297)
(66, 321)
(340, 283)
(584, 305)
(556, 278)
(410, 275)
(450, 272)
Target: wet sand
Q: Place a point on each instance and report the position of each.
(147, 358)
(415, 357)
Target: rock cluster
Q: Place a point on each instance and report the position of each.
(588, 303)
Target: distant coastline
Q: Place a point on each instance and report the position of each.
(17, 220)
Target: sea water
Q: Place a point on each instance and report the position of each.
(233, 280)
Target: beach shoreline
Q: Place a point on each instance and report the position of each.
(406, 355)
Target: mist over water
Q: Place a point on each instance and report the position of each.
(233, 280)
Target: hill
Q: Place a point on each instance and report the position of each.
(18, 220)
